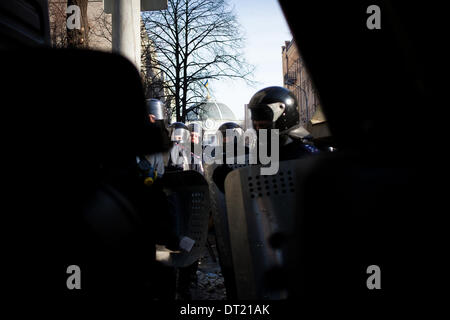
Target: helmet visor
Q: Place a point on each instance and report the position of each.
(180, 135)
(262, 113)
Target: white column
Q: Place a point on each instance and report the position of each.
(127, 30)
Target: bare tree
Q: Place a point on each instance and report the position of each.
(61, 36)
(101, 27)
(58, 18)
(195, 41)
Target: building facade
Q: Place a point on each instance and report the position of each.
(296, 79)
(99, 37)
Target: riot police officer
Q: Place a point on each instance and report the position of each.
(232, 141)
(155, 111)
(277, 108)
(180, 160)
(154, 203)
(232, 136)
(179, 157)
(234, 151)
(196, 147)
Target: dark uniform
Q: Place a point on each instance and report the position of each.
(221, 171)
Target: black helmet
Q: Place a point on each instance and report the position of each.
(178, 125)
(156, 108)
(179, 132)
(195, 127)
(276, 104)
(231, 126)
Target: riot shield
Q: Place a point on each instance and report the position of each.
(188, 196)
(261, 209)
(221, 228)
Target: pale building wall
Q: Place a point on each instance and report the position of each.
(100, 38)
(100, 23)
(297, 80)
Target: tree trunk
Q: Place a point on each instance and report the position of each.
(185, 64)
(177, 70)
(78, 38)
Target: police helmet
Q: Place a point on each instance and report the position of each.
(156, 108)
(236, 129)
(277, 105)
(229, 126)
(179, 132)
(195, 127)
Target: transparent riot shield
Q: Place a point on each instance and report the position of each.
(188, 196)
(261, 210)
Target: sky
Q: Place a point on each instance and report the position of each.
(265, 30)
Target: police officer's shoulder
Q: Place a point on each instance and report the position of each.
(295, 148)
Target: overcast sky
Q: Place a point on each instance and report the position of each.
(265, 30)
